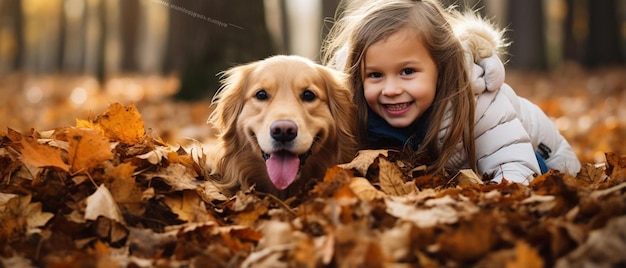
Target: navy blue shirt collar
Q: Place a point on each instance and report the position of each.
(382, 135)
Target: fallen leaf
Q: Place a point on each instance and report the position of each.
(365, 190)
(472, 239)
(42, 155)
(467, 177)
(155, 156)
(604, 248)
(188, 206)
(442, 211)
(391, 179)
(87, 148)
(19, 213)
(363, 160)
(177, 176)
(592, 174)
(122, 123)
(525, 257)
(101, 203)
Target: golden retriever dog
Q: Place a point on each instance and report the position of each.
(282, 121)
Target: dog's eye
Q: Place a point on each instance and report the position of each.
(308, 95)
(261, 95)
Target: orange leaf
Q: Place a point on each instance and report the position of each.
(122, 123)
(526, 257)
(41, 155)
(87, 148)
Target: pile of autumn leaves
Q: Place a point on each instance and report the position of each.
(106, 193)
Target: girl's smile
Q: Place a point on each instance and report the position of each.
(398, 108)
(400, 78)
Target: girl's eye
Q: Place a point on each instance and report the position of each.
(261, 95)
(408, 71)
(308, 96)
(374, 75)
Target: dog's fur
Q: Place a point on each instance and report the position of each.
(323, 123)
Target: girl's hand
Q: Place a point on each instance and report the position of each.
(487, 74)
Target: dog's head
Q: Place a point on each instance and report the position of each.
(286, 112)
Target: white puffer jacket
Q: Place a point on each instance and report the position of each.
(508, 129)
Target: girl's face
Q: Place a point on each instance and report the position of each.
(400, 78)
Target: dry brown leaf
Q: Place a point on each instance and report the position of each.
(155, 156)
(19, 213)
(525, 257)
(391, 179)
(101, 203)
(616, 166)
(41, 155)
(471, 239)
(363, 160)
(467, 177)
(87, 148)
(592, 174)
(124, 190)
(209, 192)
(177, 176)
(423, 216)
(122, 123)
(188, 206)
(604, 248)
(364, 189)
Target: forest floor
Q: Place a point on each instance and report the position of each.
(74, 197)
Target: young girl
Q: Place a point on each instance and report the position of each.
(410, 77)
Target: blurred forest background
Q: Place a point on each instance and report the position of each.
(62, 59)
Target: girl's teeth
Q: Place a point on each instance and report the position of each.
(396, 107)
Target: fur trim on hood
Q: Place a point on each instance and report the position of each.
(478, 35)
(482, 44)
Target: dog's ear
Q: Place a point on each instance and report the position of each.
(343, 110)
(228, 101)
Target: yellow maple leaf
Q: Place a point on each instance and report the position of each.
(87, 148)
(122, 123)
(85, 123)
(42, 155)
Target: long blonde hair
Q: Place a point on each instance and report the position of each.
(361, 24)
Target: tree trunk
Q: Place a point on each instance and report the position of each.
(526, 33)
(603, 42)
(207, 37)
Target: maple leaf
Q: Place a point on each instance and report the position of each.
(87, 148)
(121, 123)
(616, 167)
(41, 155)
(592, 174)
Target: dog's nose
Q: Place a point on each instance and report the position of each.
(283, 130)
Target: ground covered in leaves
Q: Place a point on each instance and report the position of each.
(109, 190)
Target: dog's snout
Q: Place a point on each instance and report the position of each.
(283, 130)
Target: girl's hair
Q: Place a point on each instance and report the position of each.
(362, 24)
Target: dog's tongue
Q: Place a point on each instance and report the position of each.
(282, 168)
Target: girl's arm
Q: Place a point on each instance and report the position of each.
(503, 146)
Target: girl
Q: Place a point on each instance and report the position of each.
(409, 75)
